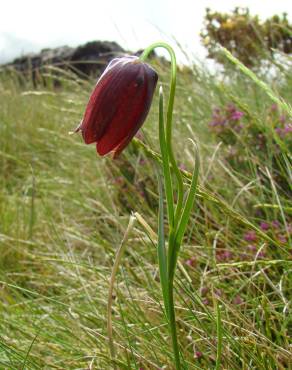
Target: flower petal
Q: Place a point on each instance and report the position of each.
(132, 110)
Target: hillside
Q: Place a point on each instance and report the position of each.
(64, 211)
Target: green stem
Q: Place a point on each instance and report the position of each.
(169, 115)
(161, 251)
(173, 217)
(172, 325)
(162, 257)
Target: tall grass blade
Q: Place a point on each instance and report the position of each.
(117, 261)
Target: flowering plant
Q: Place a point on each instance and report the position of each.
(116, 110)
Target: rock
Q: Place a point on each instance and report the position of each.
(93, 56)
(58, 56)
(88, 59)
(85, 60)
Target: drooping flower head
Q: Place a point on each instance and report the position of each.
(118, 105)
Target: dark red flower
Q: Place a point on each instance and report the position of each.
(118, 105)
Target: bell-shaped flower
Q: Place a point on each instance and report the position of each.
(118, 105)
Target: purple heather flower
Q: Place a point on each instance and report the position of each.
(264, 226)
(279, 131)
(282, 238)
(191, 261)
(217, 121)
(288, 128)
(236, 115)
(142, 161)
(282, 118)
(258, 212)
(261, 254)
(274, 107)
(198, 354)
(282, 132)
(276, 224)
(206, 301)
(250, 236)
(251, 248)
(223, 255)
(227, 255)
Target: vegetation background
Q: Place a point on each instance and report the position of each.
(64, 211)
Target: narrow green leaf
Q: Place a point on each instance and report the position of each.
(189, 201)
(165, 162)
(161, 252)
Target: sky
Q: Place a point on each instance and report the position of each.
(30, 25)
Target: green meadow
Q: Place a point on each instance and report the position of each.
(64, 212)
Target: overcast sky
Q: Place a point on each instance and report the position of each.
(30, 25)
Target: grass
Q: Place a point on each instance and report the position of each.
(64, 212)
